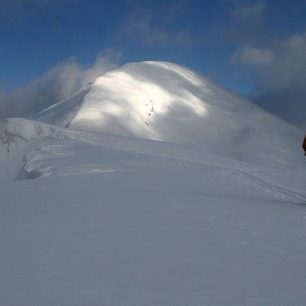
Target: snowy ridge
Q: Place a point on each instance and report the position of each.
(62, 159)
(15, 132)
(18, 137)
(46, 157)
(53, 158)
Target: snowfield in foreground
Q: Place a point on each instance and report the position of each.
(203, 205)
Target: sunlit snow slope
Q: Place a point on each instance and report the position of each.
(168, 102)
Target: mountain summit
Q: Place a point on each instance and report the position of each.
(167, 102)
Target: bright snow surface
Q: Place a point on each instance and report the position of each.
(101, 213)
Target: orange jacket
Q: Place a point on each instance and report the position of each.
(304, 144)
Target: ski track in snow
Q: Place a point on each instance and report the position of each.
(189, 155)
(276, 191)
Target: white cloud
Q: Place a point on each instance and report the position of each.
(280, 85)
(279, 64)
(253, 56)
(154, 25)
(288, 69)
(60, 82)
(273, 61)
(249, 12)
(245, 22)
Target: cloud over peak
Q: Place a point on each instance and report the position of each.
(58, 83)
(253, 56)
(270, 54)
(248, 11)
(154, 25)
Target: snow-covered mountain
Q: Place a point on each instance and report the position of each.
(167, 102)
(153, 186)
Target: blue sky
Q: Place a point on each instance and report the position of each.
(239, 44)
(36, 36)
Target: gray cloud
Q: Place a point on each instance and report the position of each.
(248, 12)
(277, 64)
(58, 83)
(281, 83)
(246, 22)
(154, 25)
(288, 68)
(252, 56)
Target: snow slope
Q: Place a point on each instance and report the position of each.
(168, 102)
(173, 104)
(95, 211)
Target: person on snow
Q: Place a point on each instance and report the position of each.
(304, 145)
